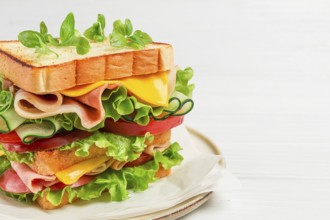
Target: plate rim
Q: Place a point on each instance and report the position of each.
(193, 203)
(190, 204)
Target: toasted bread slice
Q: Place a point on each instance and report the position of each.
(50, 162)
(45, 204)
(47, 74)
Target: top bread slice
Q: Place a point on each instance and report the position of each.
(47, 74)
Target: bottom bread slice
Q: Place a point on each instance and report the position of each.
(45, 204)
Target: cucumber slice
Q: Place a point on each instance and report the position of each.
(9, 120)
(179, 104)
(29, 132)
(186, 104)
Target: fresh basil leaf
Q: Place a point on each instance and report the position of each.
(128, 27)
(98, 38)
(117, 40)
(30, 39)
(135, 43)
(119, 27)
(144, 37)
(44, 31)
(95, 32)
(83, 46)
(101, 20)
(122, 36)
(43, 49)
(43, 28)
(67, 28)
(90, 32)
(72, 41)
(52, 41)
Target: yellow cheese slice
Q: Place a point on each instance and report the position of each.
(150, 88)
(72, 174)
(1, 153)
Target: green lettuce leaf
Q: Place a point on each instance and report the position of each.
(56, 196)
(121, 148)
(4, 164)
(170, 157)
(26, 158)
(182, 80)
(112, 182)
(69, 121)
(117, 104)
(21, 197)
(6, 100)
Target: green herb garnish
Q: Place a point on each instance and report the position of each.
(33, 39)
(96, 31)
(48, 38)
(41, 41)
(71, 37)
(122, 36)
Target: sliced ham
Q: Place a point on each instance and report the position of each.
(93, 98)
(82, 181)
(22, 179)
(88, 107)
(32, 180)
(150, 150)
(29, 102)
(11, 182)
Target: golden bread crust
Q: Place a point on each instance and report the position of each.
(44, 75)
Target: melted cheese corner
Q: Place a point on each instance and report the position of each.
(150, 88)
(72, 174)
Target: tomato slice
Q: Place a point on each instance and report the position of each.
(11, 137)
(126, 128)
(141, 160)
(14, 144)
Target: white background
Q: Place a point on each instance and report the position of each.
(262, 75)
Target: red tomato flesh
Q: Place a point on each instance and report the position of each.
(11, 137)
(141, 160)
(13, 143)
(132, 129)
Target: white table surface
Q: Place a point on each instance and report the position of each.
(262, 89)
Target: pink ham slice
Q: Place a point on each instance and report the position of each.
(32, 180)
(29, 102)
(82, 181)
(88, 107)
(10, 181)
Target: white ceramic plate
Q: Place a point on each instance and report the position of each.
(10, 209)
(206, 145)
